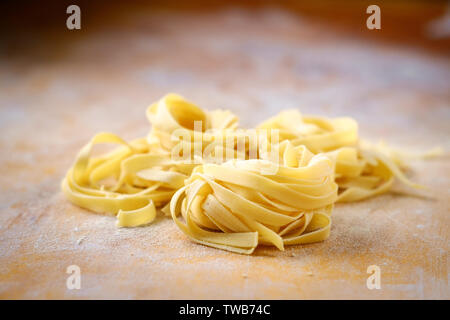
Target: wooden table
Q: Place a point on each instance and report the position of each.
(254, 63)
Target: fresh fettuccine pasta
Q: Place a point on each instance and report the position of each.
(265, 189)
(234, 207)
(174, 119)
(362, 170)
(129, 178)
(316, 133)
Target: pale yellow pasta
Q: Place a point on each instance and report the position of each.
(120, 180)
(316, 133)
(172, 113)
(276, 190)
(362, 170)
(233, 206)
(138, 217)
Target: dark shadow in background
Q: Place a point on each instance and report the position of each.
(34, 30)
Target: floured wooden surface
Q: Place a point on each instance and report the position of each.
(254, 64)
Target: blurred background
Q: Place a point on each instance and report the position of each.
(248, 56)
(59, 87)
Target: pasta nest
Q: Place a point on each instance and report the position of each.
(236, 205)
